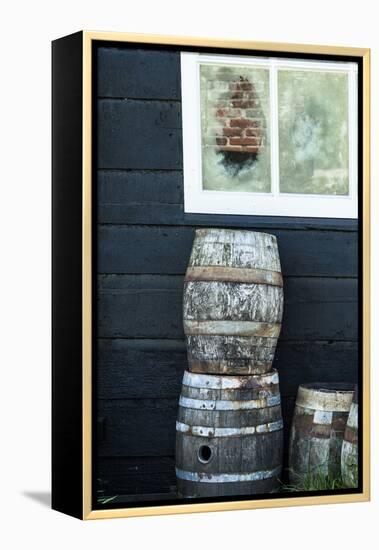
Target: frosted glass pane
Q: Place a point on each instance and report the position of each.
(235, 123)
(313, 132)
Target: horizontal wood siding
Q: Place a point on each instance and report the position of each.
(165, 250)
(144, 243)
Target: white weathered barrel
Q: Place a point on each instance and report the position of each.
(233, 302)
(228, 435)
(317, 430)
(349, 452)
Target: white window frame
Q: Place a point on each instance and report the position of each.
(199, 200)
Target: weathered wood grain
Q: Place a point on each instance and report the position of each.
(235, 248)
(146, 427)
(138, 369)
(138, 73)
(115, 189)
(155, 197)
(318, 308)
(139, 134)
(136, 475)
(138, 427)
(225, 301)
(166, 250)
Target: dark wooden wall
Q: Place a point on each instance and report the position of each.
(144, 243)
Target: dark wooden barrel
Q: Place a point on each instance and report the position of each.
(317, 431)
(349, 452)
(228, 435)
(233, 302)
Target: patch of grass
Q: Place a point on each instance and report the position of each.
(315, 481)
(106, 500)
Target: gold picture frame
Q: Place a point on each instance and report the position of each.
(88, 38)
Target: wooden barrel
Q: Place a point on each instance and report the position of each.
(349, 453)
(228, 435)
(233, 302)
(317, 431)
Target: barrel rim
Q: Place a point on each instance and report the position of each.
(218, 477)
(208, 230)
(329, 387)
(321, 396)
(228, 404)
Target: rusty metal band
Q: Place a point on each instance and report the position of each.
(245, 366)
(351, 435)
(224, 405)
(234, 275)
(232, 328)
(209, 431)
(200, 477)
(213, 382)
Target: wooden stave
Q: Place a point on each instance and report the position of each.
(350, 449)
(189, 489)
(214, 247)
(244, 304)
(219, 354)
(231, 284)
(260, 452)
(316, 446)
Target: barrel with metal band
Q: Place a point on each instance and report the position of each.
(228, 435)
(233, 302)
(317, 430)
(349, 452)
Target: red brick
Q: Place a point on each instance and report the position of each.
(255, 124)
(237, 95)
(241, 123)
(228, 113)
(240, 86)
(243, 141)
(221, 141)
(240, 149)
(232, 132)
(244, 104)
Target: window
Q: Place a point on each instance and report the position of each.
(269, 136)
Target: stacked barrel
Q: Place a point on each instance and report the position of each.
(229, 427)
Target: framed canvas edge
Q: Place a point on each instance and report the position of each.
(88, 38)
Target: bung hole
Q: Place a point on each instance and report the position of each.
(204, 454)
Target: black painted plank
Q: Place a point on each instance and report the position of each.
(137, 369)
(166, 250)
(132, 369)
(138, 73)
(156, 198)
(138, 427)
(142, 427)
(136, 475)
(151, 307)
(139, 134)
(116, 189)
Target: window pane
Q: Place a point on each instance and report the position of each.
(313, 132)
(235, 125)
